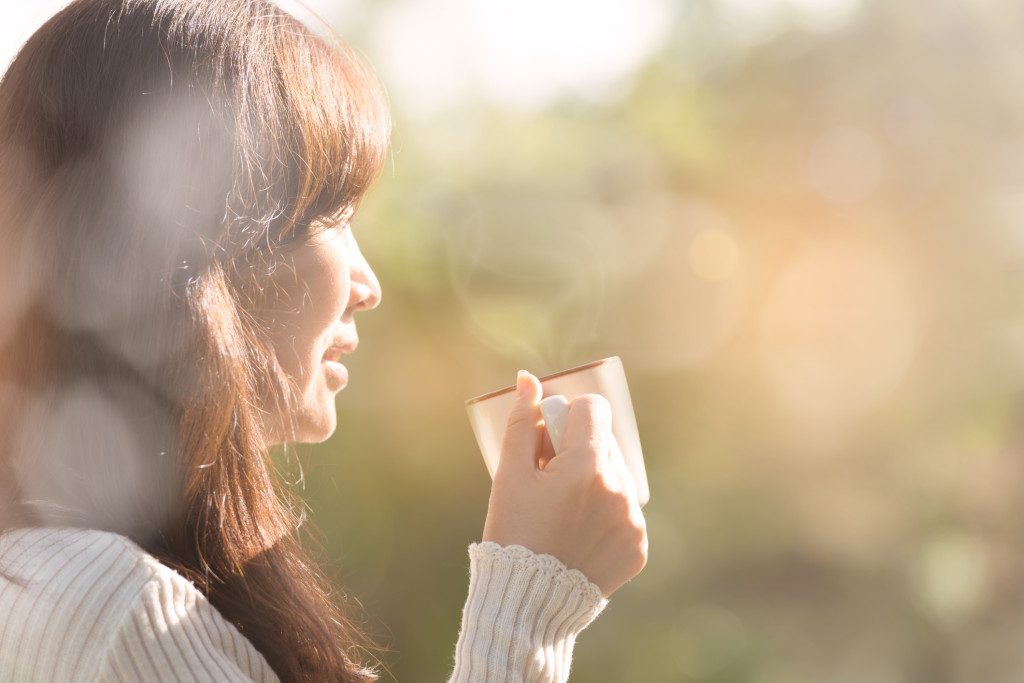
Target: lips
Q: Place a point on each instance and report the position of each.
(340, 347)
(337, 374)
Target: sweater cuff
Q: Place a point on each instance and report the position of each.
(522, 616)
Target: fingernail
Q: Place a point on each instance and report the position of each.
(522, 384)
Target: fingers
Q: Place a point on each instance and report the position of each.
(521, 445)
(617, 461)
(588, 427)
(547, 452)
(587, 440)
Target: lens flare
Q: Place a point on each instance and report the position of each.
(838, 331)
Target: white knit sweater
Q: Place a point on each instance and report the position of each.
(94, 606)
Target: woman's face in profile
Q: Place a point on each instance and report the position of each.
(320, 285)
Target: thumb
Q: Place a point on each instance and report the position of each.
(522, 440)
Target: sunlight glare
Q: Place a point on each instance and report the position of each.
(522, 54)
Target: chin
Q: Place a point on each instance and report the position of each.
(317, 416)
(315, 437)
(320, 430)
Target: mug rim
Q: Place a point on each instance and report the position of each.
(498, 392)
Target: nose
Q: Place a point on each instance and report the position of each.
(366, 293)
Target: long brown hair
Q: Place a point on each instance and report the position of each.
(158, 160)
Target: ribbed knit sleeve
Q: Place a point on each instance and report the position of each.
(82, 605)
(522, 616)
(172, 633)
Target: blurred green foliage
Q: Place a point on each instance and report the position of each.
(806, 248)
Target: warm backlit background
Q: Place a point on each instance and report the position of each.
(799, 223)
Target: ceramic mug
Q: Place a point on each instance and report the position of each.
(488, 413)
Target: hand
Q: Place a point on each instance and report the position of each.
(578, 504)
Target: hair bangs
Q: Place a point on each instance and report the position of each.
(341, 127)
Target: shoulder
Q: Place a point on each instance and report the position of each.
(77, 604)
(57, 569)
(63, 593)
(37, 555)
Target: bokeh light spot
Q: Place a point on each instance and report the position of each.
(950, 576)
(838, 331)
(522, 54)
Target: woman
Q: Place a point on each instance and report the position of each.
(180, 279)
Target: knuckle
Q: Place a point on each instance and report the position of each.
(595, 404)
(637, 552)
(605, 483)
(589, 399)
(617, 501)
(520, 417)
(639, 534)
(639, 560)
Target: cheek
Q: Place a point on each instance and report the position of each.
(317, 301)
(303, 306)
